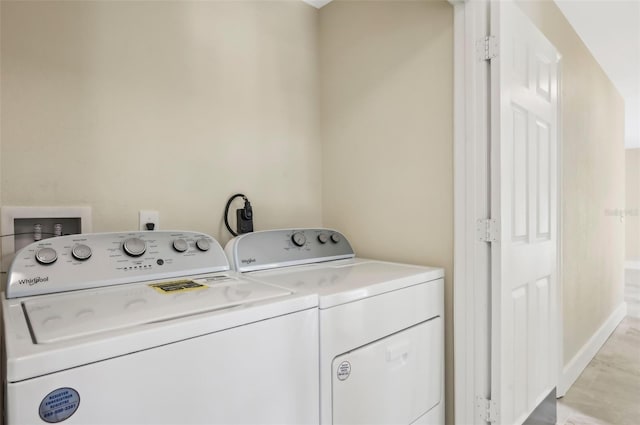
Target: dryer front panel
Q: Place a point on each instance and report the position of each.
(396, 379)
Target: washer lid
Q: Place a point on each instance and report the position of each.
(62, 317)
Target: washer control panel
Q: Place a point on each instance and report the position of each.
(287, 247)
(73, 262)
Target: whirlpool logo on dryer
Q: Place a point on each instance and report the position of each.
(34, 280)
(248, 261)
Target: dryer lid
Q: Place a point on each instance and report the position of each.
(61, 317)
(341, 282)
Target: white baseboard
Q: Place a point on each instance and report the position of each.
(579, 362)
(632, 265)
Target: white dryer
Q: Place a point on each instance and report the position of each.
(381, 324)
(152, 328)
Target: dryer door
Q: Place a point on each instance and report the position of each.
(395, 380)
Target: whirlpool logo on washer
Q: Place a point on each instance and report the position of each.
(34, 280)
(248, 261)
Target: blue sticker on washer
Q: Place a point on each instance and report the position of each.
(59, 405)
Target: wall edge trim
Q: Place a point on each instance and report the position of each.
(579, 362)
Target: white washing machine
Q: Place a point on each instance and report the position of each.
(152, 328)
(381, 324)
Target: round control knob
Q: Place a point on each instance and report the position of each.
(46, 256)
(81, 252)
(180, 245)
(323, 238)
(134, 247)
(298, 238)
(203, 244)
(335, 237)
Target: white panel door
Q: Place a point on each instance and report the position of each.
(524, 140)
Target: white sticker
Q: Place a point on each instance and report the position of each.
(344, 370)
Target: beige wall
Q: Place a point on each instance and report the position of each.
(171, 106)
(387, 133)
(632, 219)
(175, 105)
(593, 181)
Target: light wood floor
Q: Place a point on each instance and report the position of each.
(608, 391)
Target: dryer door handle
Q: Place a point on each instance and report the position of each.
(398, 351)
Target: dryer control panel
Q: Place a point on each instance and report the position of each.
(286, 247)
(74, 262)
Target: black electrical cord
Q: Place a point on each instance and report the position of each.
(226, 211)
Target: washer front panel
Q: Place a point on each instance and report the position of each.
(243, 375)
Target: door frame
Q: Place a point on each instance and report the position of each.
(471, 285)
(472, 267)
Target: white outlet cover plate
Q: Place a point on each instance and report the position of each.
(148, 216)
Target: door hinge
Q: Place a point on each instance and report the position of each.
(487, 409)
(487, 230)
(487, 48)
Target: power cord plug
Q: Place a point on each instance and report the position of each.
(244, 216)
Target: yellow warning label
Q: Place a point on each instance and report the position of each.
(177, 286)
